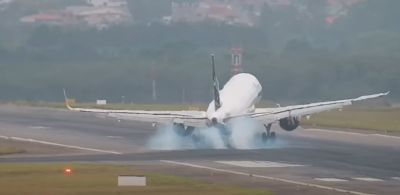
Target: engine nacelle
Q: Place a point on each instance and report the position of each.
(289, 123)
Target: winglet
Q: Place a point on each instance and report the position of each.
(66, 100)
(371, 96)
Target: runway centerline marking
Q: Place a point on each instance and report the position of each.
(265, 177)
(328, 179)
(258, 164)
(367, 179)
(60, 145)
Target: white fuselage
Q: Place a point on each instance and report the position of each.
(237, 97)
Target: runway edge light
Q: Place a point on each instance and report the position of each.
(67, 171)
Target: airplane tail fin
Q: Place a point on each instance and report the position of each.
(217, 101)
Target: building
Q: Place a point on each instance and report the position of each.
(99, 14)
(100, 17)
(187, 11)
(107, 3)
(50, 17)
(234, 12)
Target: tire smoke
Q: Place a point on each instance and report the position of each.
(244, 134)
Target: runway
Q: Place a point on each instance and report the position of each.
(306, 161)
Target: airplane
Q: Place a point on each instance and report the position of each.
(235, 100)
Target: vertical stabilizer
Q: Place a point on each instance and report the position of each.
(217, 101)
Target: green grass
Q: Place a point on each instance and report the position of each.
(381, 119)
(48, 179)
(9, 150)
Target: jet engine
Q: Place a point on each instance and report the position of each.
(289, 123)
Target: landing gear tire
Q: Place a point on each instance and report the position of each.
(179, 129)
(225, 134)
(189, 130)
(268, 136)
(182, 131)
(264, 137)
(272, 137)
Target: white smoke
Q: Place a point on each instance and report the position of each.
(209, 138)
(167, 139)
(244, 133)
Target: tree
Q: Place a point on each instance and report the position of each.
(144, 11)
(371, 15)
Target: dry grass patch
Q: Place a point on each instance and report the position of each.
(382, 119)
(4, 150)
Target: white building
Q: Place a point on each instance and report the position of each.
(109, 3)
(99, 14)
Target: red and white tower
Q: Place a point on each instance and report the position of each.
(237, 54)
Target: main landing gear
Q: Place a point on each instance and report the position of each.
(268, 135)
(181, 130)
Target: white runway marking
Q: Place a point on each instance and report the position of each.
(387, 136)
(38, 127)
(266, 177)
(396, 178)
(337, 132)
(60, 145)
(367, 179)
(331, 179)
(258, 164)
(354, 133)
(114, 137)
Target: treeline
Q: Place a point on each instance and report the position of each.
(296, 61)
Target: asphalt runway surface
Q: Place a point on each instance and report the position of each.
(306, 161)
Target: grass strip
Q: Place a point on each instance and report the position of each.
(380, 119)
(49, 179)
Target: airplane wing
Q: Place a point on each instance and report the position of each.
(189, 118)
(199, 119)
(270, 115)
